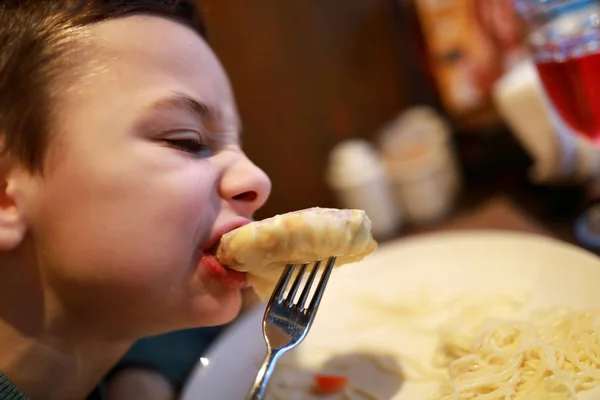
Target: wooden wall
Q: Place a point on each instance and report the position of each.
(307, 73)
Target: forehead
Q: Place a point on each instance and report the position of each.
(135, 61)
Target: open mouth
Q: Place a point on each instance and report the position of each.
(212, 250)
(212, 247)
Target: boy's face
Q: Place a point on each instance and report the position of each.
(144, 173)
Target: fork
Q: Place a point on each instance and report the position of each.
(286, 322)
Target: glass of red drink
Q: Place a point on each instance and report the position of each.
(564, 38)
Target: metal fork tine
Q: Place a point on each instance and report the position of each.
(309, 282)
(314, 303)
(283, 282)
(292, 294)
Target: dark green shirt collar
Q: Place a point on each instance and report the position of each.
(8, 391)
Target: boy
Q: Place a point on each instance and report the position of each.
(121, 168)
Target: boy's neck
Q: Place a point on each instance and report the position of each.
(41, 356)
(50, 371)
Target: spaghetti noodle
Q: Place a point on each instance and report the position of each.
(553, 356)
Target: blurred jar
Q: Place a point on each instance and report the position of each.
(421, 164)
(358, 178)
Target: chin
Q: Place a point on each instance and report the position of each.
(218, 310)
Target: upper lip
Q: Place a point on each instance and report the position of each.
(223, 229)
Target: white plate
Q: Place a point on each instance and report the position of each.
(552, 273)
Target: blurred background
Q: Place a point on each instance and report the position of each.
(428, 114)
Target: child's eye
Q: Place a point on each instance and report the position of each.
(192, 146)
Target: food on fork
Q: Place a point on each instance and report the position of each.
(263, 248)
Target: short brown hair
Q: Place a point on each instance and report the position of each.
(36, 36)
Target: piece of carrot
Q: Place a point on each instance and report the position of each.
(325, 384)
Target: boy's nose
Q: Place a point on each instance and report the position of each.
(245, 186)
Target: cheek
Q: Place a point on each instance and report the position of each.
(128, 242)
(131, 228)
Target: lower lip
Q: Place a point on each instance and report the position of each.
(230, 279)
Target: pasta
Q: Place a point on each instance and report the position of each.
(553, 356)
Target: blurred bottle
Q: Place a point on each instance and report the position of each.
(421, 163)
(359, 180)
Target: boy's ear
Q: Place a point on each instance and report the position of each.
(12, 223)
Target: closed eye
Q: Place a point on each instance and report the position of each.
(191, 146)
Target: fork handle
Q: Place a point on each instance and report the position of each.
(257, 392)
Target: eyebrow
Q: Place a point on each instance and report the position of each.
(204, 112)
(199, 109)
